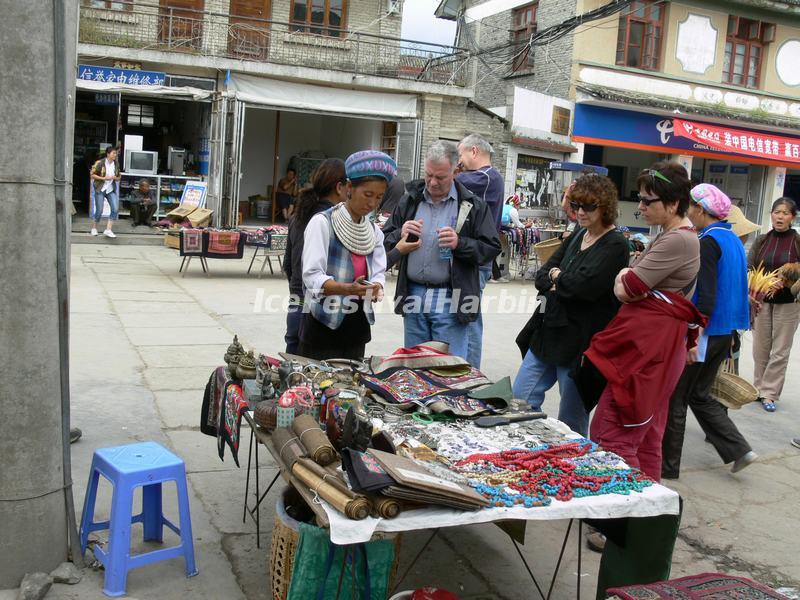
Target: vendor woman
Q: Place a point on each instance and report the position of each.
(576, 289)
(642, 352)
(344, 263)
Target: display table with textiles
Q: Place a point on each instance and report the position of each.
(228, 244)
(420, 440)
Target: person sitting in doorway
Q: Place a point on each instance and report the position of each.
(286, 193)
(143, 204)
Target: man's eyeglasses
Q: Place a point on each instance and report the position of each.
(587, 208)
(657, 175)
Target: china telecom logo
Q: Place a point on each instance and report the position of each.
(666, 129)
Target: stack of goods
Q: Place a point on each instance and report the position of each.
(212, 243)
(426, 376)
(529, 465)
(272, 237)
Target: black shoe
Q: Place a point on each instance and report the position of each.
(796, 442)
(74, 435)
(595, 540)
(669, 476)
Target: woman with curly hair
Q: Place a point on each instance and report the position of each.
(576, 291)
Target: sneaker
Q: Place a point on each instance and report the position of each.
(502, 280)
(93, 231)
(796, 442)
(742, 462)
(109, 233)
(74, 435)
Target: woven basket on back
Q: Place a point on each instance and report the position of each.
(544, 250)
(731, 390)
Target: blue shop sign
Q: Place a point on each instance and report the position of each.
(642, 131)
(123, 76)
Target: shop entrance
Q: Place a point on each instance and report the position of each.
(275, 140)
(170, 136)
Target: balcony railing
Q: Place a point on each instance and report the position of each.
(149, 26)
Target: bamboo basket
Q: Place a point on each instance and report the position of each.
(544, 250)
(285, 537)
(731, 390)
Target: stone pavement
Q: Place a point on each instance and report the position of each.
(144, 341)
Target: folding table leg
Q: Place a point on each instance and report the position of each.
(413, 562)
(182, 263)
(560, 556)
(525, 562)
(188, 262)
(252, 260)
(264, 264)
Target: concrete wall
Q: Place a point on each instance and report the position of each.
(36, 113)
(257, 152)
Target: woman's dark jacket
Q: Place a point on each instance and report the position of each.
(583, 302)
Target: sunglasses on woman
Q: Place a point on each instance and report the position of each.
(587, 208)
(647, 200)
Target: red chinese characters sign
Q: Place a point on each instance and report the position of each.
(761, 144)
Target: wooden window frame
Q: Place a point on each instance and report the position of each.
(524, 62)
(325, 28)
(628, 16)
(732, 40)
(127, 6)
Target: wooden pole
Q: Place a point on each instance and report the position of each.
(276, 163)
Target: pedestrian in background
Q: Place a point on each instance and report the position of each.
(576, 292)
(642, 351)
(327, 189)
(482, 179)
(344, 263)
(721, 295)
(778, 316)
(438, 285)
(105, 175)
(286, 193)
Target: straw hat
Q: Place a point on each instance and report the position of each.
(740, 225)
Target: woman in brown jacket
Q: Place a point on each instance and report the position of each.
(778, 317)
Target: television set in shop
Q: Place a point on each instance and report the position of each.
(141, 162)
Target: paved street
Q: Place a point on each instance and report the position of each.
(144, 341)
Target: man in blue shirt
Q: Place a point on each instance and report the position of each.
(483, 180)
(438, 284)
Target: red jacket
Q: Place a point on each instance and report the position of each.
(633, 352)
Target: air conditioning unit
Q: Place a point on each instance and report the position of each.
(394, 7)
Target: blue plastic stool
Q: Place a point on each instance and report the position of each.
(127, 467)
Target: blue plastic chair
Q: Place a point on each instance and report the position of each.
(148, 465)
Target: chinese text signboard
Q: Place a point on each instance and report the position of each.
(760, 144)
(646, 131)
(122, 76)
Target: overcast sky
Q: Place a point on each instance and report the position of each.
(420, 24)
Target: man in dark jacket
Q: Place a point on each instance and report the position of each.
(438, 286)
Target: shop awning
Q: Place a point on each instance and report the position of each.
(316, 98)
(139, 90)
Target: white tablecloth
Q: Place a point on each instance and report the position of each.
(654, 500)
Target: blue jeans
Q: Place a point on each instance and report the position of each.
(536, 377)
(294, 317)
(433, 319)
(113, 202)
(475, 329)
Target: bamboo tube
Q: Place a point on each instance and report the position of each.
(314, 440)
(353, 508)
(287, 446)
(384, 507)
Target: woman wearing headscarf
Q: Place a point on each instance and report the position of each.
(576, 291)
(344, 263)
(642, 352)
(778, 316)
(328, 188)
(721, 295)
